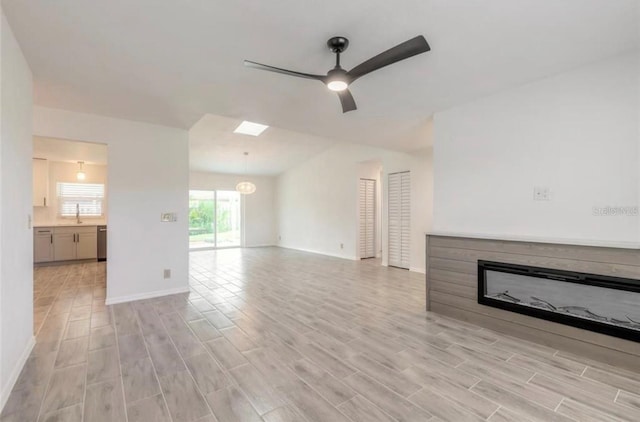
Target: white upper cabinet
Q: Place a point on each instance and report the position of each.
(40, 182)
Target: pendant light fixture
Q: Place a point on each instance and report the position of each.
(246, 187)
(80, 175)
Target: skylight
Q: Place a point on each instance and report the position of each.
(250, 128)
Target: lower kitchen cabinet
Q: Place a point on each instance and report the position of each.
(66, 243)
(64, 246)
(43, 244)
(87, 245)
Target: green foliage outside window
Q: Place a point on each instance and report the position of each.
(201, 216)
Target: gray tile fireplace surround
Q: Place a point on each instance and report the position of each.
(452, 289)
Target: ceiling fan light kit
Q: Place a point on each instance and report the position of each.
(339, 80)
(337, 85)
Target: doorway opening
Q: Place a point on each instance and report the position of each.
(70, 201)
(215, 219)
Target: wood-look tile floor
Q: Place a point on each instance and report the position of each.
(278, 335)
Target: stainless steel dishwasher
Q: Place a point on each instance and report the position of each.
(102, 243)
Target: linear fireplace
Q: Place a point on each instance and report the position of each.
(609, 305)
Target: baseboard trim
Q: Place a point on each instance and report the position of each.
(13, 378)
(350, 258)
(149, 295)
(418, 270)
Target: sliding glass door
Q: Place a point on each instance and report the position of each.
(227, 219)
(202, 211)
(214, 219)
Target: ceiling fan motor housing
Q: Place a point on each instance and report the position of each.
(337, 73)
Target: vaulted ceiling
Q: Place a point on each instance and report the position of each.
(213, 147)
(172, 62)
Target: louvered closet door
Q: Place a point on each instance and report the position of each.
(367, 218)
(405, 219)
(399, 219)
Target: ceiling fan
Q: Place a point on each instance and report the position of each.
(338, 79)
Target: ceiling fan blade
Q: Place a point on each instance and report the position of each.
(401, 51)
(347, 101)
(261, 66)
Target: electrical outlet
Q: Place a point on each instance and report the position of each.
(342, 246)
(541, 193)
(279, 237)
(167, 273)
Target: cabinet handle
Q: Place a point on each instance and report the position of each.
(52, 239)
(45, 201)
(74, 238)
(78, 237)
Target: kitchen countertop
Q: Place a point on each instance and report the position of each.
(83, 224)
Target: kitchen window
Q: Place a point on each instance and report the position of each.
(89, 196)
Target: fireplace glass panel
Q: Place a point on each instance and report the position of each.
(611, 306)
(605, 304)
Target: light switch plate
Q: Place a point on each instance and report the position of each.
(168, 217)
(541, 193)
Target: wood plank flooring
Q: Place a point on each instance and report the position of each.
(270, 334)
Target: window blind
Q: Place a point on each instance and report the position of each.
(89, 196)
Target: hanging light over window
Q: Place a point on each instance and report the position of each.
(246, 187)
(80, 175)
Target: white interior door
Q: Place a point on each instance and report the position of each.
(399, 219)
(367, 218)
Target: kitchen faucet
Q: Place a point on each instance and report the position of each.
(78, 214)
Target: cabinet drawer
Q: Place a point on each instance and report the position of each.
(43, 230)
(76, 229)
(87, 229)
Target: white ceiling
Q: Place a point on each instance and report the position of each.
(173, 62)
(214, 147)
(69, 151)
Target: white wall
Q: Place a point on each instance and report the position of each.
(66, 172)
(317, 206)
(576, 133)
(148, 175)
(421, 205)
(259, 222)
(16, 239)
